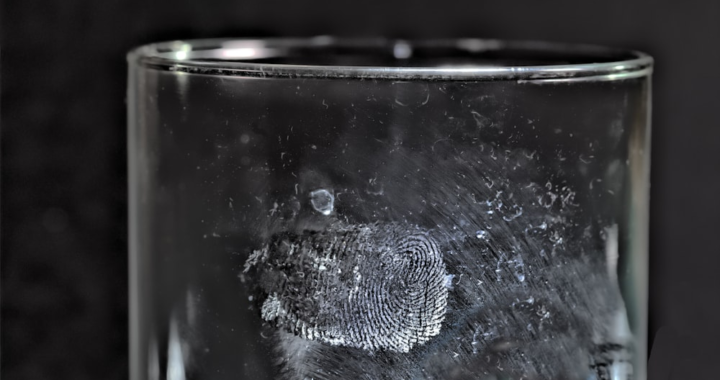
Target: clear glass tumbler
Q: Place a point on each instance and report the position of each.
(383, 209)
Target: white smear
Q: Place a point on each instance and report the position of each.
(427, 99)
(176, 364)
(480, 120)
(513, 217)
(620, 329)
(448, 281)
(611, 251)
(621, 371)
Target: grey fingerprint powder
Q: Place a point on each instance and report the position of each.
(533, 295)
(369, 286)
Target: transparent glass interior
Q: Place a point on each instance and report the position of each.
(349, 228)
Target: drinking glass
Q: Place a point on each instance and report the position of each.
(329, 208)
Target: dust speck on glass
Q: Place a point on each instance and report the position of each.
(377, 209)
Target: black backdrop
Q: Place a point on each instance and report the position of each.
(64, 261)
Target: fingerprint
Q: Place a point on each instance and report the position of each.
(369, 286)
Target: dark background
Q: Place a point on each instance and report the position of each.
(64, 260)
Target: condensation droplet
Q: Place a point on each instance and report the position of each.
(322, 201)
(402, 50)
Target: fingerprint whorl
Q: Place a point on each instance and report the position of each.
(374, 287)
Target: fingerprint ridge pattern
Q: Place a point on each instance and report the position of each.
(369, 286)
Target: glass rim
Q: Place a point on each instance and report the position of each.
(244, 57)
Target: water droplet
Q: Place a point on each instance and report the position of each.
(322, 201)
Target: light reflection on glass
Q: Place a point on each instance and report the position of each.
(239, 53)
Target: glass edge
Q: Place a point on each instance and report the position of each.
(640, 65)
